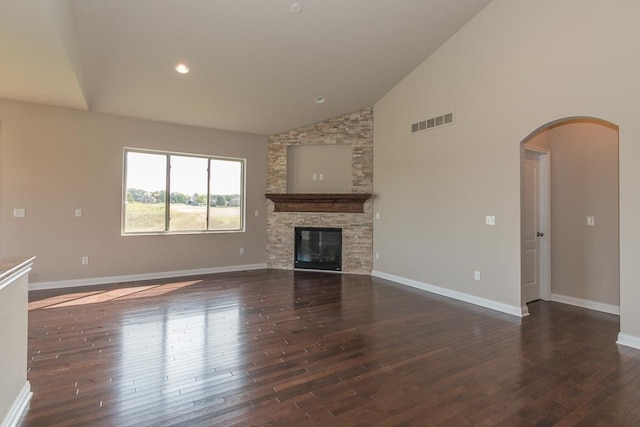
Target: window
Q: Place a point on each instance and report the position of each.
(181, 193)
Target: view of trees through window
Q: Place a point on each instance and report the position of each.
(168, 192)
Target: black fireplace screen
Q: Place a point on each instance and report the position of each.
(318, 248)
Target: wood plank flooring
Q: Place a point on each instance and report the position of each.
(285, 348)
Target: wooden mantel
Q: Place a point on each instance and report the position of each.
(321, 202)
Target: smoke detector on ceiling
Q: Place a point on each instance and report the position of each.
(296, 8)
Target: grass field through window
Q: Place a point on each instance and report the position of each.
(150, 217)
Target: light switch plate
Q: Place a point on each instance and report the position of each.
(591, 221)
(19, 213)
(490, 220)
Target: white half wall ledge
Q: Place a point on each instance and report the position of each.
(591, 305)
(460, 296)
(19, 406)
(145, 276)
(628, 341)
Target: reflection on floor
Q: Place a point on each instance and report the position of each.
(303, 348)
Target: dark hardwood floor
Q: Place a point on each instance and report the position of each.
(301, 349)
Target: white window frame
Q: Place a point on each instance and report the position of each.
(168, 155)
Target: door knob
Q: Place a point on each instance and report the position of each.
(539, 234)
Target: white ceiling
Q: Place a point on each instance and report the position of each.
(255, 66)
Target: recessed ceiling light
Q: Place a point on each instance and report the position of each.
(319, 99)
(182, 68)
(296, 8)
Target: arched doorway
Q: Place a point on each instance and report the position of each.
(570, 223)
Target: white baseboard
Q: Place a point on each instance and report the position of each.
(136, 277)
(472, 299)
(18, 407)
(591, 305)
(628, 340)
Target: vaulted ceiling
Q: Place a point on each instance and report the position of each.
(254, 65)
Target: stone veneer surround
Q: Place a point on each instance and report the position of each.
(355, 129)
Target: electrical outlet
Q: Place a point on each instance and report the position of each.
(476, 275)
(314, 176)
(377, 255)
(78, 213)
(591, 221)
(321, 176)
(490, 220)
(241, 251)
(377, 215)
(257, 213)
(85, 260)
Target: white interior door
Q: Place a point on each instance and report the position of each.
(531, 233)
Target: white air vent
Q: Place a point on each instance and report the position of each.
(434, 122)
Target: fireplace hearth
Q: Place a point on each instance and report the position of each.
(318, 248)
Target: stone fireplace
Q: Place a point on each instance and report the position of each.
(355, 130)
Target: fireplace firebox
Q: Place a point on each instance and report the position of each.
(318, 248)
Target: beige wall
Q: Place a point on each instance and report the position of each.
(329, 163)
(504, 78)
(584, 182)
(540, 140)
(54, 160)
